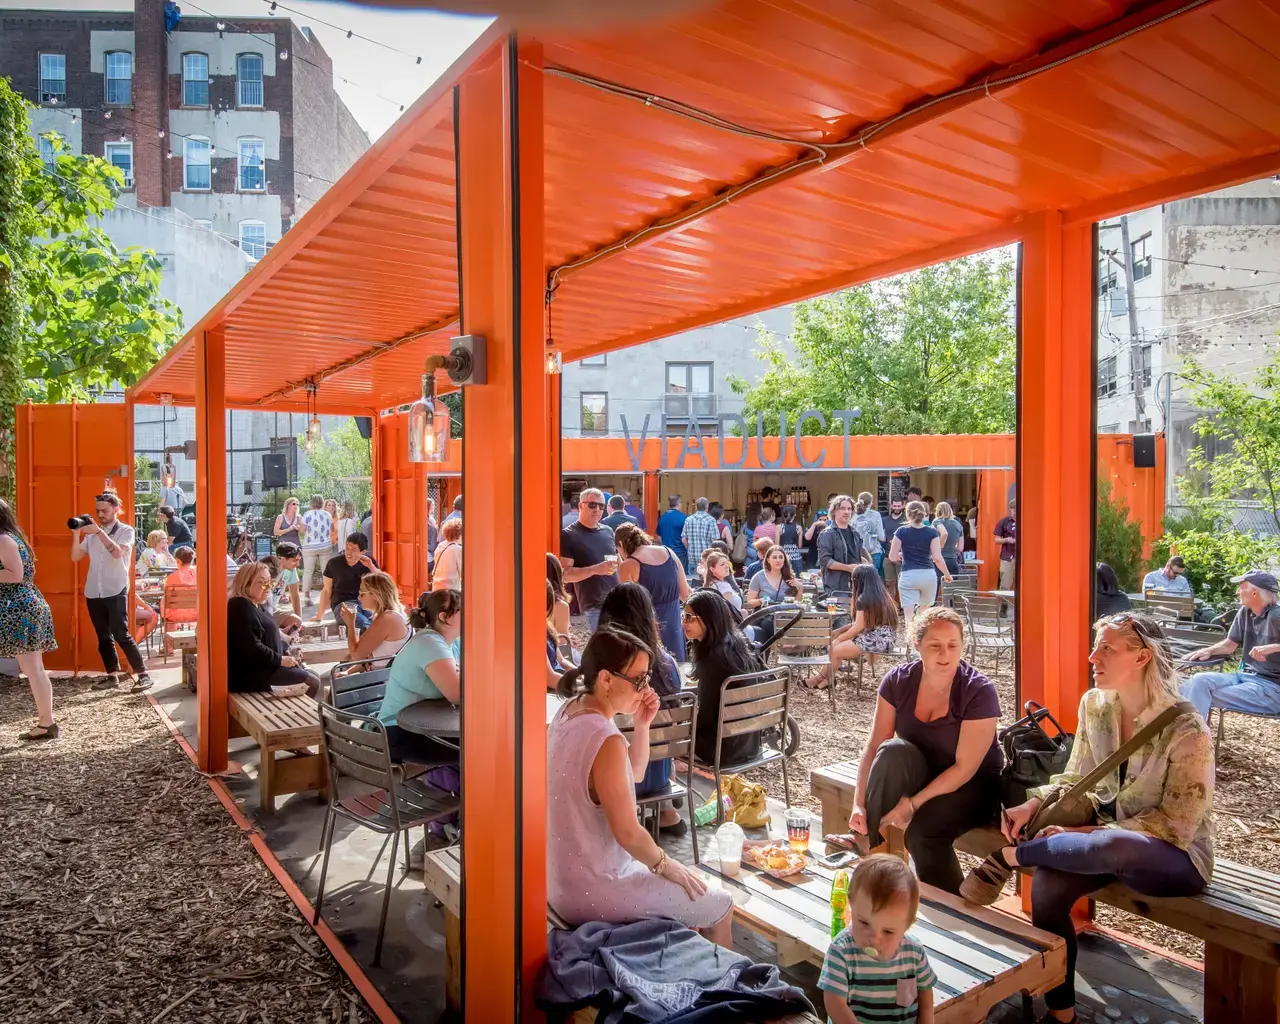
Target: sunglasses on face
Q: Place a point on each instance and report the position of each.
(596, 505)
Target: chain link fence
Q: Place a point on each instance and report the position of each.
(1246, 517)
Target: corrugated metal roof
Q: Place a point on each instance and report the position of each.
(1196, 95)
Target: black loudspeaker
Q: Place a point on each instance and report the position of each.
(364, 424)
(275, 469)
(1144, 450)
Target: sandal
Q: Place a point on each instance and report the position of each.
(46, 732)
(984, 883)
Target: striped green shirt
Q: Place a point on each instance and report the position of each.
(877, 991)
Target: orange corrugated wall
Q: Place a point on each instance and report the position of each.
(66, 455)
(1142, 487)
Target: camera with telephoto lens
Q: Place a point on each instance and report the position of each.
(75, 522)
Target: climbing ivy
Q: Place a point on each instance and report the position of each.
(17, 223)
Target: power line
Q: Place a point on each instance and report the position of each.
(1251, 271)
(350, 33)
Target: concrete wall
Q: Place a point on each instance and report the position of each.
(635, 378)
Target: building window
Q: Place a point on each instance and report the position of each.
(195, 165)
(600, 360)
(1109, 428)
(253, 171)
(595, 412)
(53, 77)
(120, 77)
(249, 80)
(1141, 254)
(689, 378)
(1146, 365)
(195, 79)
(1107, 280)
(253, 239)
(1107, 377)
(48, 150)
(120, 155)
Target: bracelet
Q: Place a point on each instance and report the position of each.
(662, 860)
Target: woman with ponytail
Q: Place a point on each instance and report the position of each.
(602, 865)
(426, 668)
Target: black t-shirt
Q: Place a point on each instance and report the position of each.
(589, 547)
(179, 533)
(891, 524)
(346, 579)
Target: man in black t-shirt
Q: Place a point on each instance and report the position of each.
(589, 556)
(174, 525)
(342, 575)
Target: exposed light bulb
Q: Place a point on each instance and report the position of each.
(53, 101)
(74, 119)
(221, 25)
(284, 54)
(107, 115)
(160, 133)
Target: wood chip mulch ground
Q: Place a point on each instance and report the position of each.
(127, 893)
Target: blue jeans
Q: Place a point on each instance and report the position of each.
(878, 561)
(1068, 869)
(1233, 691)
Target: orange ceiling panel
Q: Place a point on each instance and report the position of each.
(979, 112)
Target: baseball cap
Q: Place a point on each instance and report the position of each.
(1259, 578)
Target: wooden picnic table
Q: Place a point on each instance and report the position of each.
(980, 956)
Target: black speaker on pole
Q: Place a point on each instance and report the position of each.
(365, 425)
(275, 469)
(1144, 450)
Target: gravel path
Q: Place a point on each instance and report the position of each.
(127, 893)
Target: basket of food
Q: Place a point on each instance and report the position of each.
(291, 690)
(774, 857)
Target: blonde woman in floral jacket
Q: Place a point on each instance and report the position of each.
(1154, 827)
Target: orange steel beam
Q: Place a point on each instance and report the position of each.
(1056, 475)
(555, 461)
(211, 541)
(505, 465)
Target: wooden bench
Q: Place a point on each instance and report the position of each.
(277, 724)
(981, 957)
(442, 875)
(1237, 916)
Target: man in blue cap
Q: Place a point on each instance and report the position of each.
(1255, 689)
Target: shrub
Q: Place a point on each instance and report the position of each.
(1117, 540)
(1213, 558)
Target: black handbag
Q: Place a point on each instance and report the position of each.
(1031, 755)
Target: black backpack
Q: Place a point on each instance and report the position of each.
(1031, 755)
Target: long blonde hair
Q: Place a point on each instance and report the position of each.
(382, 588)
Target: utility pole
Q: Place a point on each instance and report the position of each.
(1135, 346)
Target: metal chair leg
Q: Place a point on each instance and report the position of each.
(405, 844)
(386, 899)
(326, 841)
(719, 798)
(1217, 743)
(693, 825)
(786, 782)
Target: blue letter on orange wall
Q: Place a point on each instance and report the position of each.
(811, 414)
(724, 435)
(782, 440)
(685, 448)
(636, 453)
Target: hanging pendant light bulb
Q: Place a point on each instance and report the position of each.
(169, 474)
(429, 420)
(554, 362)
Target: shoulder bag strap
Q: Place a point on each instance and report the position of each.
(1122, 753)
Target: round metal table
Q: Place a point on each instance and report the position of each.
(431, 718)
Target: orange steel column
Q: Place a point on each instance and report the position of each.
(505, 465)
(649, 505)
(211, 543)
(1055, 463)
(555, 383)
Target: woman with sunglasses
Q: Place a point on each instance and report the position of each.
(1152, 826)
(602, 865)
(717, 650)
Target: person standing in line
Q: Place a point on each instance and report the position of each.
(316, 544)
(108, 544)
(433, 536)
(288, 526)
(457, 509)
(951, 533)
(918, 549)
(766, 528)
(839, 548)
(1006, 534)
(716, 511)
(789, 538)
(590, 556)
(699, 532)
(767, 500)
(891, 520)
(659, 572)
(26, 623)
(347, 525)
(331, 506)
(618, 513)
(448, 560)
(870, 526)
(820, 522)
(670, 526)
(634, 511)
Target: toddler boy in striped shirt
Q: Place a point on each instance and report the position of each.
(874, 972)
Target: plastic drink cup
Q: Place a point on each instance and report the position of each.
(797, 819)
(729, 840)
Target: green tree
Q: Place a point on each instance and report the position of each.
(932, 351)
(341, 464)
(77, 314)
(1247, 419)
(1117, 540)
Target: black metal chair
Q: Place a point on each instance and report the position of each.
(753, 703)
(355, 747)
(360, 692)
(671, 735)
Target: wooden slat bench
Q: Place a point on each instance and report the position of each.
(276, 724)
(1237, 916)
(442, 874)
(980, 956)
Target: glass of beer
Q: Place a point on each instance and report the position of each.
(797, 819)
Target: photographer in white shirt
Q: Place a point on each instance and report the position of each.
(108, 544)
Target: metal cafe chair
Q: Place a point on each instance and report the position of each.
(753, 702)
(671, 735)
(355, 747)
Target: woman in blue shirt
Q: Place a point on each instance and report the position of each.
(425, 669)
(919, 550)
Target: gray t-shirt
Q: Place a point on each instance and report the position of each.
(1249, 631)
(589, 547)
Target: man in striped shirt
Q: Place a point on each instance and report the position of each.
(699, 532)
(874, 972)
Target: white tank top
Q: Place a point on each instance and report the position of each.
(390, 648)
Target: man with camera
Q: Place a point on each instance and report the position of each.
(108, 544)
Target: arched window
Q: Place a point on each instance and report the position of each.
(249, 80)
(119, 65)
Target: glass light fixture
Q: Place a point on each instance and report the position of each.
(429, 422)
(314, 428)
(169, 474)
(554, 362)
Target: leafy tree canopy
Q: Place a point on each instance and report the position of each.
(928, 352)
(342, 464)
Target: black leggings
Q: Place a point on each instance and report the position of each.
(110, 618)
(900, 769)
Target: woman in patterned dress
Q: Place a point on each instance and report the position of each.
(26, 624)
